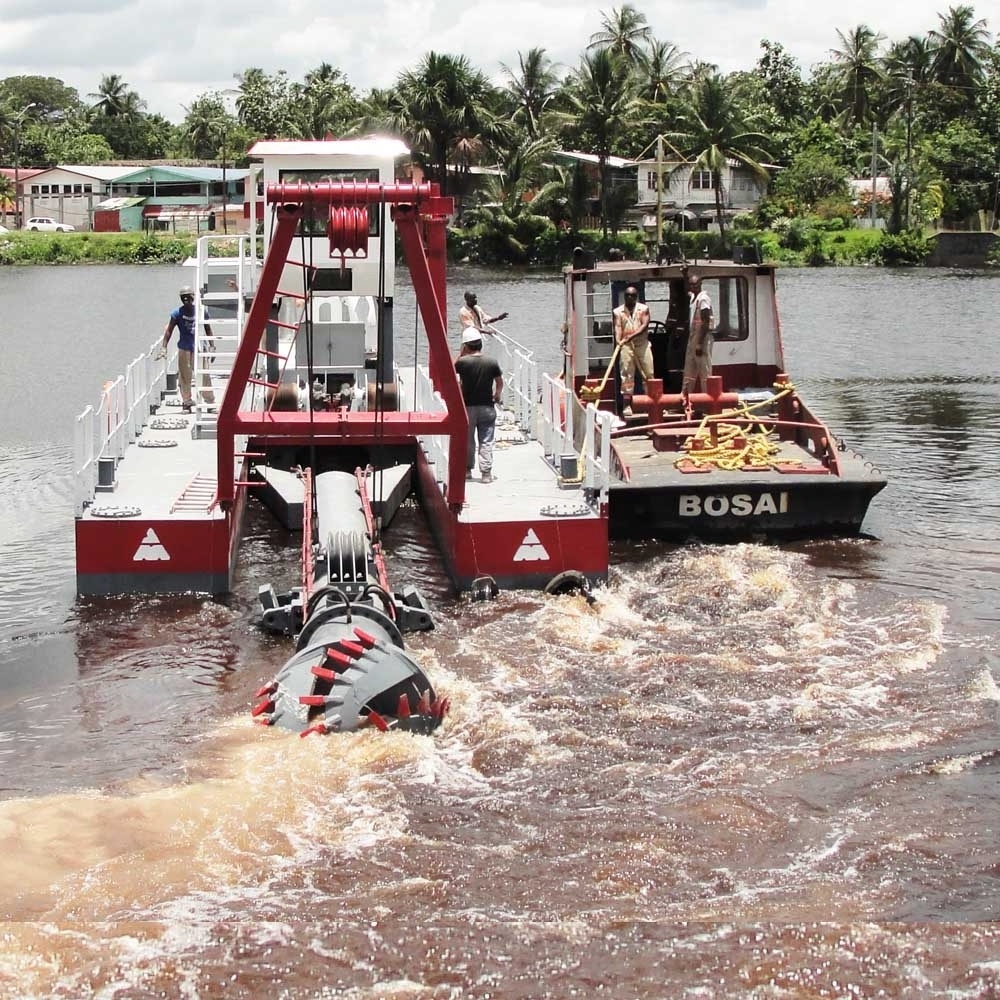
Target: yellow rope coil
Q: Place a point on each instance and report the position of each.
(755, 450)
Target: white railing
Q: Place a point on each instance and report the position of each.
(239, 273)
(103, 431)
(563, 433)
(426, 399)
(520, 389)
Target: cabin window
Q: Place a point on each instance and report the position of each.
(314, 221)
(701, 179)
(730, 306)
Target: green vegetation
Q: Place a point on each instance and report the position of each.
(99, 248)
(922, 112)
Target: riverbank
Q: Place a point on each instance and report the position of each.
(793, 245)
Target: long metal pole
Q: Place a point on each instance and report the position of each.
(874, 169)
(659, 193)
(18, 201)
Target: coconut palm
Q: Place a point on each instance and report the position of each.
(444, 109)
(624, 31)
(857, 73)
(114, 98)
(511, 209)
(960, 45)
(326, 102)
(601, 103)
(531, 88)
(661, 68)
(715, 130)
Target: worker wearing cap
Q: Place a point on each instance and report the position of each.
(482, 387)
(183, 320)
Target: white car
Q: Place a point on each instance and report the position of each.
(3, 229)
(43, 224)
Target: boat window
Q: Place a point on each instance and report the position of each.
(730, 306)
(314, 219)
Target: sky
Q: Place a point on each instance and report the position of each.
(171, 52)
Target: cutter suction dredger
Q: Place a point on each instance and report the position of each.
(350, 669)
(301, 372)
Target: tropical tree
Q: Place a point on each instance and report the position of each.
(531, 89)
(959, 46)
(714, 130)
(601, 102)
(624, 32)
(445, 110)
(326, 103)
(204, 124)
(511, 208)
(857, 74)
(266, 104)
(661, 67)
(50, 96)
(115, 99)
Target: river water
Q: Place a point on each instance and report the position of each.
(753, 772)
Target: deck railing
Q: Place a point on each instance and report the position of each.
(104, 430)
(426, 399)
(570, 430)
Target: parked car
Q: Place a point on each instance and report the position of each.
(3, 229)
(43, 224)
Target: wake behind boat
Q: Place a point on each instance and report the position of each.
(745, 458)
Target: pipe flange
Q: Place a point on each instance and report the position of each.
(120, 510)
(156, 443)
(168, 423)
(565, 510)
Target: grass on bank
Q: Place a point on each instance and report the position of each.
(795, 243)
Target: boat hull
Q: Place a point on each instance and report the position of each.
(713, 511)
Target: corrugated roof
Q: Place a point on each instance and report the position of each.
(114, 204)
(612, 161)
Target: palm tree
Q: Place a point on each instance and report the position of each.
(601, 103)
(661, 68)
(531, 88)
(857, 73)
(444, 110)
(624, 31)
(512, 206)
(959, 45)
(325, 102)
(204, 125)
(714, 130)
(114, 98)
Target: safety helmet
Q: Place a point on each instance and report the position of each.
(186, 290)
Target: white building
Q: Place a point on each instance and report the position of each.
(70, 193)
(688, 197)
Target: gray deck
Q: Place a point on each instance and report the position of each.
(651, 468)
(525, 486)
(165, 481)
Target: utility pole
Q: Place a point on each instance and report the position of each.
(659, 192)
(874, 171)
(18, 200)
(909, 147)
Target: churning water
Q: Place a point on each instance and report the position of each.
(756, 772)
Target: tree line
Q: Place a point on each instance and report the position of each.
(923, 111)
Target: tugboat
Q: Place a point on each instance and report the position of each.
(739, 457)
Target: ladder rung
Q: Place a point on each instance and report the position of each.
(263, 382)
(291, 295)
(248, 482)
(287, 326)
(269, 354)
(250, 454)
